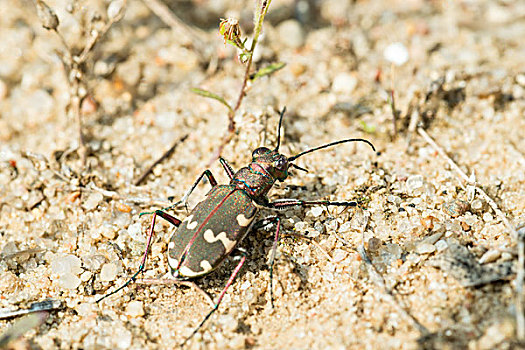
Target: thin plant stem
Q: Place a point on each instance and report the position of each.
(262, 10)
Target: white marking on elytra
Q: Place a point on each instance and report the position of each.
(211, 238)
(185, 271)
(206, 266)
(243, 221)
(191, 224)
(173, 263)
(171, 245)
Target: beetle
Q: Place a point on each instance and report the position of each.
(215, 226)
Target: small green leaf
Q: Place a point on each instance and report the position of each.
(370, 129)
(209, 94)
(267, 70)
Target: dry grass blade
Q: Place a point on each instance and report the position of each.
(22, 326)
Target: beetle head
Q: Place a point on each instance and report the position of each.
(272, 161)
(277, 164)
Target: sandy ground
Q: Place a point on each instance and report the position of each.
(443, 262)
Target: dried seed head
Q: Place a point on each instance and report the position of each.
(115, 9)
(46, 15)
(230, 30)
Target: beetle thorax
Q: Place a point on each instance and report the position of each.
(254, 179)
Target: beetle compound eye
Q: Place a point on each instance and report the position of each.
(281, 164)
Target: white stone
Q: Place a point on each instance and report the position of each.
(135, 232)
(108, 272)
(490, 256)
(316, 211)
(135, 308)
(344, 83)
(69, 281)
(425, 248)
(291, 34)
(92, 201)
(66, 264)
(441, 245)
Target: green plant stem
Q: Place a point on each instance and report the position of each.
(261, 13)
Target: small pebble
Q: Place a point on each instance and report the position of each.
(245, 285)
(66, 264)
(316, 211)
(432, 239)
(414, 184)
(228, 322)
(506, 256)
(69, 281)
(291, 34)
(94, 262)
(107, 230)
(478, 205)
(135, 232)
(393, 199)
(86, 276)
(122, 207)
(339, 255)
(300, 226)
(344, 83)
(297, 69)
(425, 248)
(85, 309)
(428, 222)
(520, 79)
(391, 252)
(455, 208)
(237, 342)
(129, 71)
(108, 272)
(135, 308)
(92, 201)
(374, 244)
(125, 339)
(487, 217)
(496, 333)
(89, 105)
(441, 245)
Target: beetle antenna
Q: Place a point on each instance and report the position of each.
(279, 129)
(291, 159)
(298, 167)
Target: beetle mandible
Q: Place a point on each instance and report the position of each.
(215, 226)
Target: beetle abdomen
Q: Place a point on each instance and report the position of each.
(211, 231)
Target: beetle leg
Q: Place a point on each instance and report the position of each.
(260, 224)
(184, 199)
(227, 167)
(172, 220)
(219, 299)
(281, 204)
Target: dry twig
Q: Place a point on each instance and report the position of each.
(74, 64)
(164, 156)
(520, 317)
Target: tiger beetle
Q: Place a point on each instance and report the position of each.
(216, 226)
